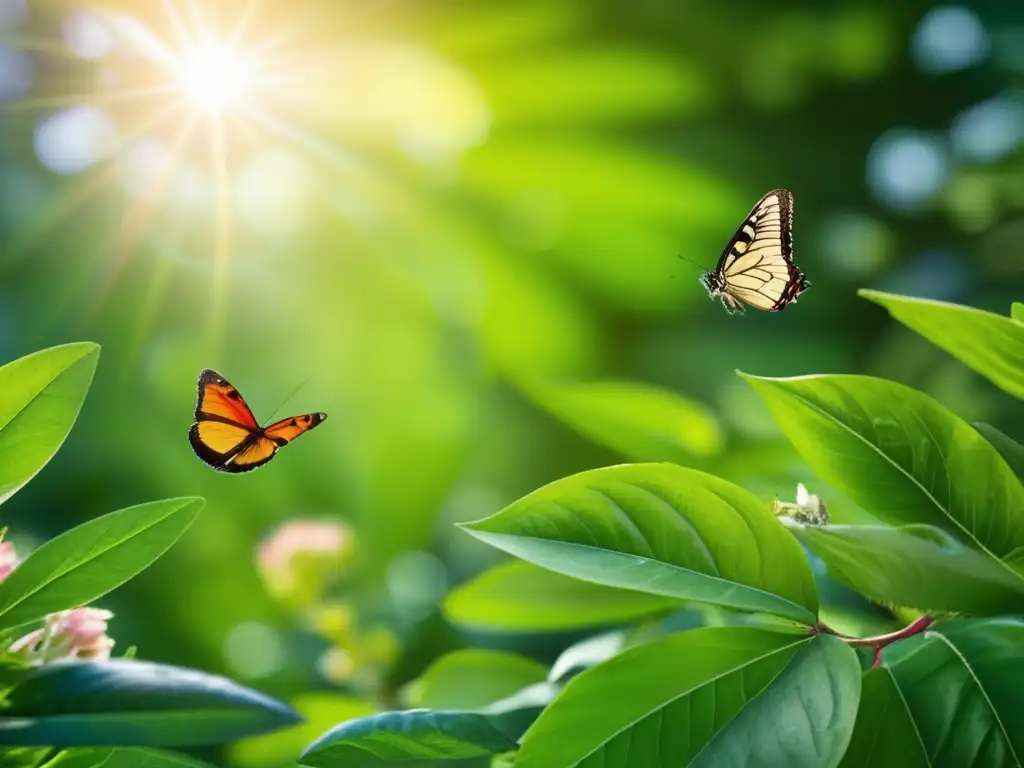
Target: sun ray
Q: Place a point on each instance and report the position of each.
(222, 236)
(66, 204)
(92, 99)
(139, 216)
(185, 40)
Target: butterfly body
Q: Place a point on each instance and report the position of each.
(226, 435)
(756, 267)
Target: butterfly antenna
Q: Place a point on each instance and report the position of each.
(698, 266)
(285, 401)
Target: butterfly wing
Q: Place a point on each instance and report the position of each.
(264, 445)
(757, 265)
(219, 401)
(224, 424)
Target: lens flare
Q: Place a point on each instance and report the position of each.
(215, 77)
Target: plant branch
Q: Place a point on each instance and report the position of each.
(879, 642)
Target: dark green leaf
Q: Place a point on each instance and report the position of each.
(472, 678)
(901, 456)
(884, 733)
(420, 736)
(1011, 451)
(40, 397)
(917, 566)
(992, 345)
(132, 703)
(661, 529)
(92, 559)
(151, 758)
(81, 758)
(710, 697)
(961, 683)
(643, 422)
(520, 597)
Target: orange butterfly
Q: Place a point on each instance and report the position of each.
(226, 435)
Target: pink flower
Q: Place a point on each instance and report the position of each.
(8, 559)
(80, 633)
(298, 557)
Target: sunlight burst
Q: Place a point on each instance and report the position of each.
(215, 77)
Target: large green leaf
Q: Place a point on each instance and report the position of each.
(993, 345)
(918, 566)
(40, 397)
(520, 597)
(418, 737)
(961, 684)
(643, 422)
(718, 696)
(1011, 451)
(901, 456)
(130, 703)
(884, 733)
(123, 758)
(81, 758)
(151, 758)
(88, 561)
(1017, 311)
(661, 529)
(473, 677)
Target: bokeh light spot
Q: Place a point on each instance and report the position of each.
(254, 650)
(16, 73)
(417, 581)
(13, 13)
(87, 36)
(73, 139)
(905, 169)
(988, 131)
(949, 38)
(139, 165)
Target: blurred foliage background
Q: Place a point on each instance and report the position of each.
(444, 218)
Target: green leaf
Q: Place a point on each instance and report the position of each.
(884, 733)
(420, 735)
(88, 561)
(1011, 451)
(1017, 311)
(918, 566)
(661, 529)
(708, 697)
(961, 684)
(40, 397)
(132, 703)
(901, 456)
(81, 758)
(643, 422)
(151, 758)
(474, 677)
(990, 344)
(520, 597)
(123, 758)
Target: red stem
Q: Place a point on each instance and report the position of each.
(881, 641)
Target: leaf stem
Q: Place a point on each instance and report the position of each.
(879, 642)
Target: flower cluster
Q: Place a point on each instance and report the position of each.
(300, 561)
(80, 633)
